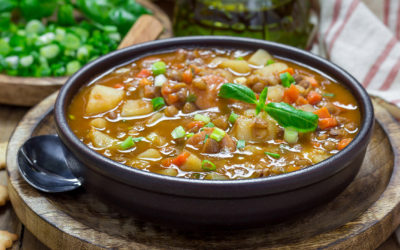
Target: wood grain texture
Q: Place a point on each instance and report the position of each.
(28, 91)
(362, 217)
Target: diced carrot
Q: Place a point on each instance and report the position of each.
(181, 159)
(343, 143)
(314, 97)
(118, 86)
(292, 168)
(144, 81)
(301, 101)
(316, 144)
(325, 123)
(167, 162)
(323, 113)
(289, 70)
(312, 81)
(144, 73)
(193, 124)
(187, 76)
(291, 94)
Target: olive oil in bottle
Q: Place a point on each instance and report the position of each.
(284, 21)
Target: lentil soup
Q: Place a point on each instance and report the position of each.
(215, 114)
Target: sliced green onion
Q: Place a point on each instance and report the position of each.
(276, 156)
(191, 98)
(127, 143)
(158, 68)
(217, 134)
(240, 144)
(72, 67)
(209, 125)
(137, 139)
(50, 51)
(11, 62)
(4, 47)
(291, 135)
(205, 138)
(71, 41)
(208, 165)
(82, 53)
(158, 103)
(203, 118)
(34, 26)
(115, 36)
(287, 79)
(26, 61)
(233, 117)
(178, 132)
(328, 94)
(159, 80)
(270, 61)
(240, 58)
(188, 135)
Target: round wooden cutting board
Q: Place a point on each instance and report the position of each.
(361, 217)
(28, 91)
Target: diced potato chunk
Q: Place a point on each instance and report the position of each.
(136, 107)
(168, 171)
(260, 57)
(150, 154)
(193, 163)
(215, 176)
(256, 129)
(156, 139)
(240, 80)
(275, 93)
(272, 69)
(99, 123)
(100, 139)
(102, 99)
(242, 128)
(239, 66)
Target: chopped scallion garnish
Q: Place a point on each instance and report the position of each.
(240, 144)
(178, 132)
(240, 58)
(287, 79)
(291, 135)
(127, 143)
(209, 125)
(328, 94)
(203, 118)
(191, 98)
(217, 134)
(276, 156)
(270, 61)
(205, 138)
(233, 117)
(158, 68)
(208, 165)
(188, 135)
(158, 103)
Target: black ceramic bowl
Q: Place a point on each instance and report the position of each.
(204, 203)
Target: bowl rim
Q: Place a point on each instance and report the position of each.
(216, 189)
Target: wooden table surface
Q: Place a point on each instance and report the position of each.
(9, 118)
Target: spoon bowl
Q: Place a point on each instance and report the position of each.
(46, 164)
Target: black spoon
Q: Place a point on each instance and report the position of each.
(45, 163)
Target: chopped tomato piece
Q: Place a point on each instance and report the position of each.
(325, 123)
(314, 97)
(323, 113)
(312, 81)
(195, 124)
(343, 143)
(118, 86)
(167, 162)
(181, 159)
(144, 73)
(144, 82)
(291, 94)
(289, 70)
(187, 76)
(301, 101)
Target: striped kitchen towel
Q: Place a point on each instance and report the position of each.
(363, 37)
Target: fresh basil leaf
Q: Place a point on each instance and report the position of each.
(261, 100)
(289, 117)
(237, 92)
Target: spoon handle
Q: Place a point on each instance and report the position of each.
(146, 28)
